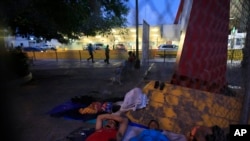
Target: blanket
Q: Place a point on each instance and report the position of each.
(87, 107)
(70, 109)
(134, 99)
(135, 129)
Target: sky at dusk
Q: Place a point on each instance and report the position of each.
(154, 12)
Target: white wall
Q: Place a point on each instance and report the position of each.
(171, 32)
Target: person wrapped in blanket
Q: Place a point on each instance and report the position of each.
(113, 129)
(152, 134)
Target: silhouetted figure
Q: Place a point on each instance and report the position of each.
(107, 54)
(91, 50)
(131, 59)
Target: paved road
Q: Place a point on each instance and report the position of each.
(57, 82)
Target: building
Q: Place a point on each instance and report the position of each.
(157, 35)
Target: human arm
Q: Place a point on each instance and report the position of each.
(123, 123)
(122, 128)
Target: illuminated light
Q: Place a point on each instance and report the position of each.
(155, 29)
(155, 35)
(113, 30)
(132, 30)
(98, 36)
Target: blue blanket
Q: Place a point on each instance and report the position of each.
(69, 109)
(135, 130)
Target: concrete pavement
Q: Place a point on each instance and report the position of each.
(57, 82)
(25, 106)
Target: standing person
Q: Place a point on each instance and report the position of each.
(131, 60)
(107, 54)
(91, 50)
(114, 129)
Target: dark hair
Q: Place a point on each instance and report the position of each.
(116, 124)
(218, 134)
(153, 121)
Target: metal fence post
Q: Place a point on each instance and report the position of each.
(56, 56)
(80, 55)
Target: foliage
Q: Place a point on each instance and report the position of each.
(62, 19)
(17, 63)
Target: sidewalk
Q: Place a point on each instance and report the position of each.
(57, 82)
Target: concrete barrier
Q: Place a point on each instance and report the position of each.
(114, 54)
(78, 54)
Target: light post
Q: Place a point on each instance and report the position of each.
(137, 63)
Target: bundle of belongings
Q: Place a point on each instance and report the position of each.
(84, 108)
(134, 99)
(87, 107)
(97, 107)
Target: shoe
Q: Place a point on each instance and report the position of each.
(93, 61)
(157, 83)
(162, 85)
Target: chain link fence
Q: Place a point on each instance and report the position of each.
(222, 69)
(230, 105)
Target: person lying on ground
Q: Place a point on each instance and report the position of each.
(153, 133)
(153, 124)
(113, 130)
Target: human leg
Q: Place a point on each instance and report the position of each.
(92, 57)
(107, 59)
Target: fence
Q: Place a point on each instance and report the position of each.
(208, 57)
(206, 63)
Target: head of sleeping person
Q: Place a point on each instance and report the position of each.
(111, 124)
(153, 124)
